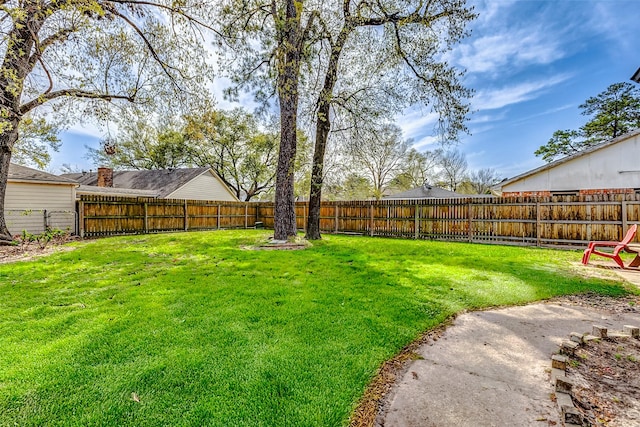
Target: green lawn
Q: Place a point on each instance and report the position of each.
(206, 333)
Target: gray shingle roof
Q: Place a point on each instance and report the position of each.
(110, 191)
(162, 181)
(425, 192)
(23, 173)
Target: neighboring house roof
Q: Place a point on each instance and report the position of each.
(19, 173)
(567, 159)
(92, 190)
(425, 192)
(160, 181)
(636, 76)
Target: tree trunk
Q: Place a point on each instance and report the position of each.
(323, 127)
(15, 68)
(289, 71)
(7, 140)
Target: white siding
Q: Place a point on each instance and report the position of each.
(25, 205)
(204, 187)
(614, 166)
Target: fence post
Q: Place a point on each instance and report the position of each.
(81, 219)
(588, 218)
(336, 218)
(417, 221)
(218, 216)
(538, 224)
(304, 214)
(186, 216)
(371, 221)
(470, 221)
(146, 219)
(623, 208)
(388, 220)
(246, 215)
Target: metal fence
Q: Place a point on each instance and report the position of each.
(38, 220)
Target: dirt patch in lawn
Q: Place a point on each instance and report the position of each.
(270, 244)
(33, 250)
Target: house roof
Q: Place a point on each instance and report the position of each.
(568, 158)
(19, 173)
(425, 192)
(636, 76)
(160, 181)
(110, 191)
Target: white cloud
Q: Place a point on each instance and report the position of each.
(487, 10)
(543, 113)
(415, 123)
(87, 129)
(616, 21)
(498, 98)
(508, 41)
(427, 143)
(494, 53)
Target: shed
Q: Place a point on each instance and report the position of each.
(611, 167)
(36, 200)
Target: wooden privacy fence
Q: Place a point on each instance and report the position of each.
(107, 215)
(550, 221)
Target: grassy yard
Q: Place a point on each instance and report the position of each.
(190, 329)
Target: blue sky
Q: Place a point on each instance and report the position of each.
(531, 64)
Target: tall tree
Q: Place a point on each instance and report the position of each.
(234, 145)
(268, 43)
(274, 39)
(411, 39)
(420, 168)
(94, 50)
(454, 168)
(482, 180)
(241, 150)
(564, 143)
(613, 112)
(381, 154)
(142, 143)
(355, 187)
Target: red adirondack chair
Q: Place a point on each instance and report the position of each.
(617, 247)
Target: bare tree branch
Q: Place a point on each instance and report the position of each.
(173, 10)
(77, 93)
(41, 47)
(165, 67)
(44, 67)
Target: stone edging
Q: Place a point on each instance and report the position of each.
(570, 416)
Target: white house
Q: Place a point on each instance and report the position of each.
(184, 183)
(612, 167)
(36, 200)
(425, 192)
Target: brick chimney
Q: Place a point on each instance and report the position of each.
(105, 177)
